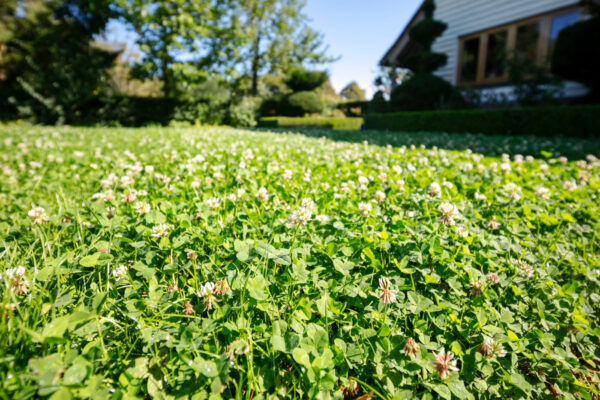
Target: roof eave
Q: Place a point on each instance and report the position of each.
(385, 61)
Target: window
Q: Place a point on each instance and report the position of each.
(495, 61)
(528, 37)
(559, 23)
(470, 60)
(483, 56)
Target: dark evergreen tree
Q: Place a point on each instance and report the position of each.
(424, 91)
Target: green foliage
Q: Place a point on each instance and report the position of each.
(378, 103)
(423, 34)
(573, 121)
(532, 84)
(263, 265)
(302, 80)
(425, 92)
(347, 124)
(302, 103)
(166, 28)
(353, 92)
(576, 57)
(243, 112)
(267, 36)
(49, 66)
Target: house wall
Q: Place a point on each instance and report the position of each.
(469, 16)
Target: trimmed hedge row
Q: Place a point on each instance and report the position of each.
(338, 124)
(577, 121)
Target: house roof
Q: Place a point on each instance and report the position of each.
(389, 58)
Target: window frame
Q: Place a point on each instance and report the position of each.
(543, 45)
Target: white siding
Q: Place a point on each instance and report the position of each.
(468, 16)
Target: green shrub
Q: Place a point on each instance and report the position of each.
(575, 55)
(577, 121)
(347, 124)
(425, 92)
(243, 113)
(302, 103)
(301, 80)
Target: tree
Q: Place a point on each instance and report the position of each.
(300, 79)
(352, 92)
(49, 66)
(271, 36)
(424, 90)
(169, 31)
(576, 55)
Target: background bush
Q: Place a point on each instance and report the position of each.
(576, 121)
(349, 124)
(243, 112)
(425, 92)
(302, 103)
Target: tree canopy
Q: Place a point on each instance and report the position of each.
(353, 92)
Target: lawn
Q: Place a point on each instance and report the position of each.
(218, 263)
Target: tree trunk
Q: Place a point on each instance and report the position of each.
(255, 64)
(166, 79)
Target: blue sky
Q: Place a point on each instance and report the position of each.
(360, 32)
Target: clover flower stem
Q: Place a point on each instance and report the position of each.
(293, 242)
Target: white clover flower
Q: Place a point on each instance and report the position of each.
(37, 215)
(365, 208)
(207, 293)
(525, 268)
(543, 193)
(262, 194)
(129, 197)
(447, 185)
(127, 180)
(386, 295)
(322, 218)
(397, 169)
(379, 196)
(141, 207)
(505, 167)
(120, 272)
(240, 193)
(449, 212)
(149, 169)
(362, 180)
(479, 196)
(462, 231)
(195, 184)
(493, 277)
(514, 191)
(206, 289)
(308, 203)
(15, 273)
(212, 203)
(434, 189)
(287, 174)
(570, 185)
(300, 216)
(161, 230)
(232, 197)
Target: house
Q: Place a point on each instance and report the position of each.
(481, 32)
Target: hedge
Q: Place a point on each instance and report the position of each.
(346, 124)
(577, 121)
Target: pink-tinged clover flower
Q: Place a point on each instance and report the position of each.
(444, 363)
